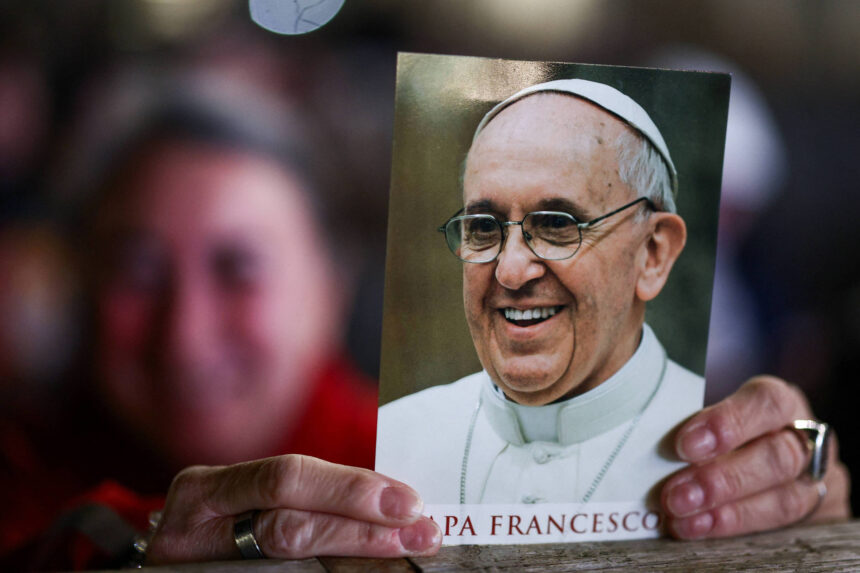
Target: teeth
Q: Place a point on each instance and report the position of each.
(531, 314)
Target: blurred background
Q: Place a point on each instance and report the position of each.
(787, 295)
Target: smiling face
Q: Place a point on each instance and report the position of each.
(215, 306)
(554, 152)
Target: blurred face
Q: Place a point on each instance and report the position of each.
(216, 306)
(553, 152)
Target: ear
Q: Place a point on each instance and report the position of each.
(668, 236)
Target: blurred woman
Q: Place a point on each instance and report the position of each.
(217, 312)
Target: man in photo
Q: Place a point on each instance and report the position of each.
(569, 228)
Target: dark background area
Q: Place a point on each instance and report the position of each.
(788, 283)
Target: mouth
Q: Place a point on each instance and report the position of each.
(530, 316)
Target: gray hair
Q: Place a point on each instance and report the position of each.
(643, 168)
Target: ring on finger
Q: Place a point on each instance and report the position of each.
(243, 535)
(817, 437)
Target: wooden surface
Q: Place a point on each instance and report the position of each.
(834, 547)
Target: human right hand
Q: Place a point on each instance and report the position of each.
(308, 507)
(747, 471)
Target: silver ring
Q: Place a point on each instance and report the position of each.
(817, 436)
(243, 534)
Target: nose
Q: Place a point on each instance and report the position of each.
(517, 264)
(186, 327)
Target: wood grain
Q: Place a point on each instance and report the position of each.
(832, 547)
(356, 564)
(813, 548)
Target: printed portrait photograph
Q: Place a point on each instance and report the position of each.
(550, 260)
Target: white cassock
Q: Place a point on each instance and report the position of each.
(466, 443)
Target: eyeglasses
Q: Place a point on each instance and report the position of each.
(551, 235)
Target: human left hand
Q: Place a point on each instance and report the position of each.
(307, 507)
(748, 470)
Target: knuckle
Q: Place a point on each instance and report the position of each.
(293, 467)
(293, 535)
(291, 464)
(279, 478)
(721, 483)
(727, 424)
(786, 457)
(189, 474)
(792, 504)
(292, 474)
(269, 480)
(367, 535)
(779, 398)
(357, 487)
(188, 481)
(377, 537)
(770, 395)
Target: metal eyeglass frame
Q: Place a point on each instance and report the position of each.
(581, 226)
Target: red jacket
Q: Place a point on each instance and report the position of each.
(55, 484)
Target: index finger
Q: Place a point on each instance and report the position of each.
(762, 405)
(305, 483)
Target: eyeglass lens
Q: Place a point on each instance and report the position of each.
(478, 238)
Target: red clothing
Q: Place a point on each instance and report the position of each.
(86, 461)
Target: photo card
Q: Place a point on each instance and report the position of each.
(551, 250)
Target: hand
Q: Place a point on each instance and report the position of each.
(308, 508)
(748, 472)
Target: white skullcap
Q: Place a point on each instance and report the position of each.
(606, 97)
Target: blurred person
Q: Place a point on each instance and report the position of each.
(218, 313)
(755, 167)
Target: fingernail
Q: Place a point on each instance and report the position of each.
(400, 502)
(421, 536)
(697, 443)
(685, 499)
(696, 526)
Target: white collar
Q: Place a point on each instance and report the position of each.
(618, 399)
